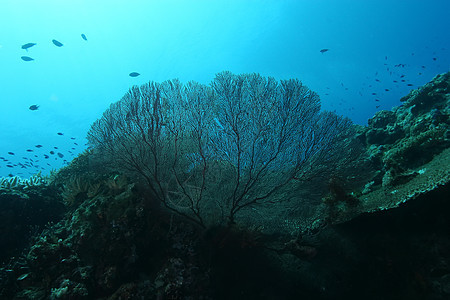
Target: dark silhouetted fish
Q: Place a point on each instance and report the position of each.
(26, 58)
(29, 150)
(52, 152)
(34, 107)
(11, 153)
(324, 50)
(55, 147)
(410, 84)
(83, 36)
(134, 74)
(377, 106)
(28, 45)
(60, 155)
(387, 90)
(38, 146)
(46, 156)
(57, 44)
(72, 138)
(60, 133)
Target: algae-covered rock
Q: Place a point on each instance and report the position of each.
(410, 146)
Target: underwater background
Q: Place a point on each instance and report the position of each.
(376, 52)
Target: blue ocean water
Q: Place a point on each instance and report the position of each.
(377, 51)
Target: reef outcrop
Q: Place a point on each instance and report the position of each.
(409, 147)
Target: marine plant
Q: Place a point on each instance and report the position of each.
(212, 152)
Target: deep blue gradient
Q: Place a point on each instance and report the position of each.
(371, 44)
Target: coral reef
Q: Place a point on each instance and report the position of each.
(16, 182)
(84, 233)
(410, 148)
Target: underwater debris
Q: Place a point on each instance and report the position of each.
(34, 107)
(26, 58)
(134, 74)
(57, 43)
(27, 46)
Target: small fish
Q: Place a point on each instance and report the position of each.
(377, 100)
(28, 45)
(377, 106)
(60, 133)
(57, 44)
(434, 58)
(324, 50)
(46, 156)
(33, 107)
(29, 150)
(60, 155)
(26, 58)
(395, 81)
(11, 153)
(9, 166)
(134, 74)
(38, 146)
(75, 144)
(378, 80)
(55, 147)
(72, 138)
(374, 94)
(83, 36)
(410, 84)
(52, 152)
(387, 90)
